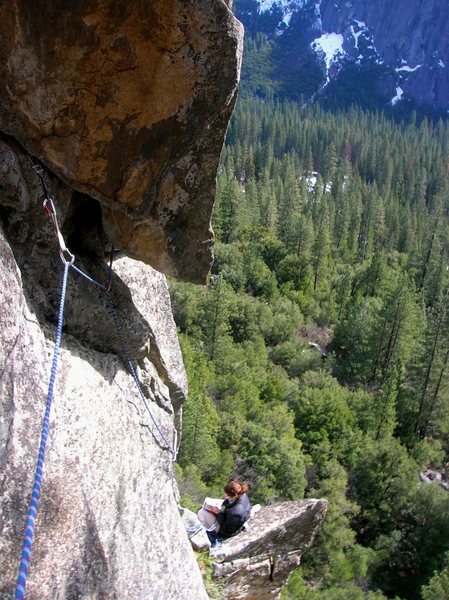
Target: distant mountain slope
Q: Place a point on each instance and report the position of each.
(377, 54)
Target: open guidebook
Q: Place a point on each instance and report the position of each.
(213, 504)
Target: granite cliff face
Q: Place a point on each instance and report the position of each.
(125, 105)
(107, 525)
(377, 54)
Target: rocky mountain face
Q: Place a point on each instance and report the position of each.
(125, 106)
(379, 54)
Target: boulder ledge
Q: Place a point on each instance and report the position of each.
(257, 563)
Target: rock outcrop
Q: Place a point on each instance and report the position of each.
(436, 477)
(257, 563)
(125, 104)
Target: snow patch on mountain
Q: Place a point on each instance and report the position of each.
(288, 7)
(402, 76)
(407, 68)
(362, 42)
(329, 45)
(355, 35)
(357, 29)
(285, 5)
(399, 94)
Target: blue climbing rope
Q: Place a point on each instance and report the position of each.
(133, 373)
(68, 260)
(112, 309)
(32, 512)
(129, 364)
(101, 286)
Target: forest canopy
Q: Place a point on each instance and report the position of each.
(317, 355)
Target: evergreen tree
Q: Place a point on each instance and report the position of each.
(200, 419)
(386, 402)
(290, 207)
(228, 205)
(321, 247)
(332, 229)
(216, 328)
(398, 326)
(438, 586)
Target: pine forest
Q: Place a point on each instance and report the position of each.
(317, 354)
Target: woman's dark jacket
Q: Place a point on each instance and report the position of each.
(233, 516)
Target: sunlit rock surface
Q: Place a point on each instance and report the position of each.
(127, 102)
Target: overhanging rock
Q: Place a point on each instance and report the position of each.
(127, 102)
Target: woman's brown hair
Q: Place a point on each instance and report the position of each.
(235, 489)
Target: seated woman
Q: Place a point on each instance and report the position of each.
(231, 518)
